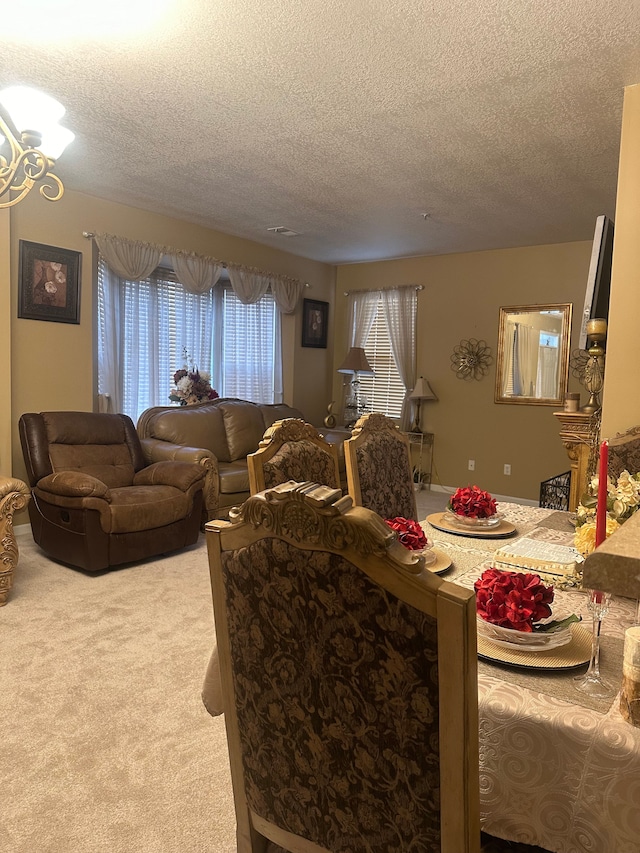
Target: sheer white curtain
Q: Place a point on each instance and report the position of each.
(547, 379)
(509, 360)
(196, 274)
(527, 345)
(400, 309)
(362, 310)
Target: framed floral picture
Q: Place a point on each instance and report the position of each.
(315, 319)
(48, 283)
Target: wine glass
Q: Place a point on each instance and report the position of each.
(592, 682)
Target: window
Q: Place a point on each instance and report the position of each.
(384, 391)
(144, 326)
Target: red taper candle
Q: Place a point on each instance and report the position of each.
(601, 511)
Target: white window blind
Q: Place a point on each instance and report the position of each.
(157, 319)
(384, 392)
(248, 358)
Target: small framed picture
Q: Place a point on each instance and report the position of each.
(48, 283)
(315, 319)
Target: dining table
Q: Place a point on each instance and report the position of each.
(558, 768)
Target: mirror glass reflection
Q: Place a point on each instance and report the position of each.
(533, 354)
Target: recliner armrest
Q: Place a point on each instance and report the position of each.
(73, 484)
(181, 475)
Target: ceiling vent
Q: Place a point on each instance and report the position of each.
(283, 231)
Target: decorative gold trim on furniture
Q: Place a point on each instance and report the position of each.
(14, 496)
(579, 434)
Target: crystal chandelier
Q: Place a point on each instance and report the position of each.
(31, 140)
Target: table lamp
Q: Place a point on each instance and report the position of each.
(422, 391)
(355, 363)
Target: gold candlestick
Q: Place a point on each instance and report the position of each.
(593, 378)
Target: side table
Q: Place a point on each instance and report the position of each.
(421, 450)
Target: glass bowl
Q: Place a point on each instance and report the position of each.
(427, 553)
(471, 523)
(523, 640)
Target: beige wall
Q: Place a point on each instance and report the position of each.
(53, 365)
(621, 400)
(461, 300)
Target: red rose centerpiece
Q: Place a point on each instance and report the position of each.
(471, 506)
(412, 536)
(512, 599)
(409, 533)
(472, 502)
(514, 610)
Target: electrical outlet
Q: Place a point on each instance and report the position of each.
(507, 470)
(472, 464)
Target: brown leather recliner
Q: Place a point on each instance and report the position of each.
(96, 502)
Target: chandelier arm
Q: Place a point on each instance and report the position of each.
(26, 167)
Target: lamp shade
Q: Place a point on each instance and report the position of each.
(31, 112)
(356, 362)
(30, 109)
(422, 391)
(54, 140)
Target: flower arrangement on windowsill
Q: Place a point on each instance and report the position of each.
(623, 500)
(191, 384)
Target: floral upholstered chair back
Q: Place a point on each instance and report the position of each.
(624, 453)
(378, 463)
(292, 450)
(344, 731)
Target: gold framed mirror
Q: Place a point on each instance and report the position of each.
(533, 354)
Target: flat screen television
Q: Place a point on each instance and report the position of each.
(596, 302)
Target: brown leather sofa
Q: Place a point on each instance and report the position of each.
(96, 502)
(218, 435)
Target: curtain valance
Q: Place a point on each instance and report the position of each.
(134, 261)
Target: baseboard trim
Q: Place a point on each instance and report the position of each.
(449, 490)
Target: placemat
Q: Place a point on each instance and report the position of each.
(441, 564)
(558, 521)
(559, 683)
(569, 656)
(500, 531)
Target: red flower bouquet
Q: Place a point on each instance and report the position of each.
(409, 533)
(513, 599)
(472, 502)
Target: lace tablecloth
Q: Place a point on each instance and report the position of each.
(553, 772)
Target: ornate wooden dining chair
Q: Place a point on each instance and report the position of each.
(378, 462)
(292, 449)
(14, 496)
(624, 452)
(349, 681)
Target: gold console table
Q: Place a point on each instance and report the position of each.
(579, 434)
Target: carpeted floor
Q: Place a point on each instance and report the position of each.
(106, 746)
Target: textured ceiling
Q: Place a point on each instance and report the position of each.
(347, 120)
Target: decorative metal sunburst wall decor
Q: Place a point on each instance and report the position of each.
(471, 359)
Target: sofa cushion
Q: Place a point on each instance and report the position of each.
(201, 426)
(234, 477)
(244, 426)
